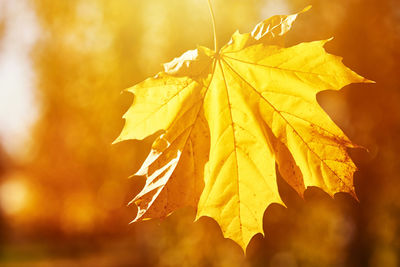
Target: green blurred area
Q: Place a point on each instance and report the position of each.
(71, 189)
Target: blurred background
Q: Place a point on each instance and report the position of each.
(64, 188)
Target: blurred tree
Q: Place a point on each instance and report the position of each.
(79, 175)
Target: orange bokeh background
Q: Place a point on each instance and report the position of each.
(64, 188)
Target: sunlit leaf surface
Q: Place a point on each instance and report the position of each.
(226, 118)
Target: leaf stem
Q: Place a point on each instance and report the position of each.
(213, 24)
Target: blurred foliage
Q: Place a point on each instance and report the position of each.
(70, 193)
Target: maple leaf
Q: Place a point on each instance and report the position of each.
(227, 117)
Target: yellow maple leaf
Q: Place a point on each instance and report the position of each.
(227, 117)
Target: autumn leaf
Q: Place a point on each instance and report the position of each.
(226, 118)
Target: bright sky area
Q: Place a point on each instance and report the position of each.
(17, 106)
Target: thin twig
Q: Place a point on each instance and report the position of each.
(213, 24)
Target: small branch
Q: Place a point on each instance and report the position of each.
(213, 24)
